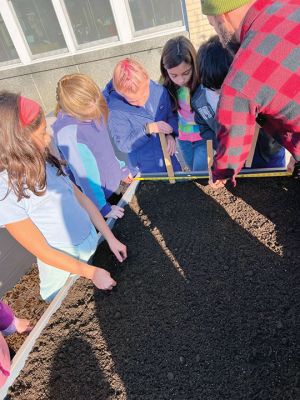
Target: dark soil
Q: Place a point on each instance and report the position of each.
(205, 306)
(26, 302)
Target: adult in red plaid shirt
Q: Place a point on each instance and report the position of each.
(264, 79)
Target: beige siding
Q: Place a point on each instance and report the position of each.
(199, 27)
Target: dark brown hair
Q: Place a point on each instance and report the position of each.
(175, 52)
(214, 62)
(23, 161)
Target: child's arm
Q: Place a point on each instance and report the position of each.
(116, 247)
(9, 323)
(83, 166)
(126, 136)
(30, 237)
(6, 316)
(207, 129)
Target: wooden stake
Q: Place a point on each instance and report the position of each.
(210, 157)
(167, 158)
(253, 145)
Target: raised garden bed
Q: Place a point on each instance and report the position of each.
(24, 298)
(205, 306)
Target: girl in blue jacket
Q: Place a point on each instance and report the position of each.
(80, 133)
(138, 107)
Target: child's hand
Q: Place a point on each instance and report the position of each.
(115, 212)
(218, 184)
(160, 127)
(291, 164)
(22, 325)
(102, 279)
(118, 248)
(171, 145)
(128, 179)
(164, 127)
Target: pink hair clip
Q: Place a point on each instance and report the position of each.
(28, 110)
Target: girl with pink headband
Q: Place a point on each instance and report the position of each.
(41, 208)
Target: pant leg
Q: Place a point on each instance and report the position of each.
(187, 152)
(200, 155)
(52, 279)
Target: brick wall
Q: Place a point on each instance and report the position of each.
(199, 27)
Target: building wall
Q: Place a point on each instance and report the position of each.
(38, 81)
(199, 27)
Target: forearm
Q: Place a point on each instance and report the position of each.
(29, 236)
(132, 141)
(57, 259)
(6, 316)
(235, 134)
(94, 214)
(127, 137)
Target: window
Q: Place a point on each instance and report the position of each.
(40, 26)
(8, 54)
(51, 28)
(92, 21)
(154, 15)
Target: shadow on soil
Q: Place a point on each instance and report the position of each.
(279, 201)
(202, 310)
(80, 369)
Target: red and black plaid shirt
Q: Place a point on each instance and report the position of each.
(264, 79)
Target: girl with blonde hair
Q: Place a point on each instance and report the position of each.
(80, 134)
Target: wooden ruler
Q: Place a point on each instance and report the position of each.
(210, 157)
(268, 174)
(167, 158)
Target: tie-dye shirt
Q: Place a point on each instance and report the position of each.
(187, 128)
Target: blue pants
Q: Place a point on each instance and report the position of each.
(194, 154)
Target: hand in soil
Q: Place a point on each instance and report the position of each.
(218, 184)
(102, 279)
(119, 249)
(22, 325)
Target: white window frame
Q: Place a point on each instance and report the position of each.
(63, 11)
(123, 21)
(15, 34)
(38, 56)
(172, 26)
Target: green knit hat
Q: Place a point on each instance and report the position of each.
(218, 7)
